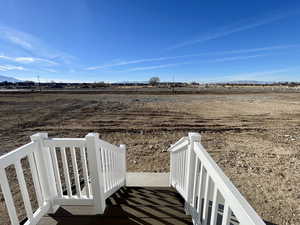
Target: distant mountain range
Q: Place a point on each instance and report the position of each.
(8, 79)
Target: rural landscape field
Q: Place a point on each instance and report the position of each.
(150, 75)
(254, 137)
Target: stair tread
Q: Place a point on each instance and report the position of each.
(147, 179)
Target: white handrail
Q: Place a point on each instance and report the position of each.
(19, 153)
(177, 143)
(238, 204)
(62, 142)
(206, 188)
(179, 146)
(107, 145)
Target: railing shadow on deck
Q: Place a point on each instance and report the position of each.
(115, 214)
(133, 205)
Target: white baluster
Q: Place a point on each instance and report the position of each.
(24, 191)
(75, 171)
(85, 171)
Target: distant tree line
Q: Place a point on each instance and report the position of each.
(153, 82)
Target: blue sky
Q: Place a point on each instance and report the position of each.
(120, 40)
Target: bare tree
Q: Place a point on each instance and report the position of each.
(154, 81)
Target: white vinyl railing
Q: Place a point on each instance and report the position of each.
(69, 150)
(86, 171)
(113, 166)
(65, 171)
(178, 165)
(40, 182)
(210, 196)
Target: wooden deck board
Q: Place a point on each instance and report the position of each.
(130, 205)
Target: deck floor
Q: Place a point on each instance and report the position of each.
(130, 205)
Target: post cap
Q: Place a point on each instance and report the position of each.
(123, 146)
(193, 136)
(93, 135)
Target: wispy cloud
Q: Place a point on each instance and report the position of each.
(50, 70)
(251, 50)
(33, 60)
(233, 28)
(26, 60)
(238, 51)
(235, 58)
(33, 46)
(18, 41)
(154, 67)
(124, 63)
(260, 75)
(11, 67)
(224, 59)
(21, 39)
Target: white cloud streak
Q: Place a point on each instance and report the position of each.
(50, 70)
(27, 60)
(260, 75)
(231, 29)
(11, 67)
(154, 67)
(21, 39)
(251, 50)
(225, 59)
(124, 63)
(34, 45)
(239, 51)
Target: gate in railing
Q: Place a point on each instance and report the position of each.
(102, 172)
(210, 196)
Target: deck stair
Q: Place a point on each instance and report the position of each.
(85, 181)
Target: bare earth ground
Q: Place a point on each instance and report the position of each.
(254, 138)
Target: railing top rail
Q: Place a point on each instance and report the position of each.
(179, 145)
(17, 154)
(108, 145)
(58, 142)
(66, 139)
(178, 142)
(241, 208)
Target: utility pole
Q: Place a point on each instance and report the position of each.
(38, 78)
(173, 85)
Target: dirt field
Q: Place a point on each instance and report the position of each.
(255, 138)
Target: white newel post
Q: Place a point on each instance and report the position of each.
(123, 147)
(97, 176)
(193, 137)
(45, 170)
